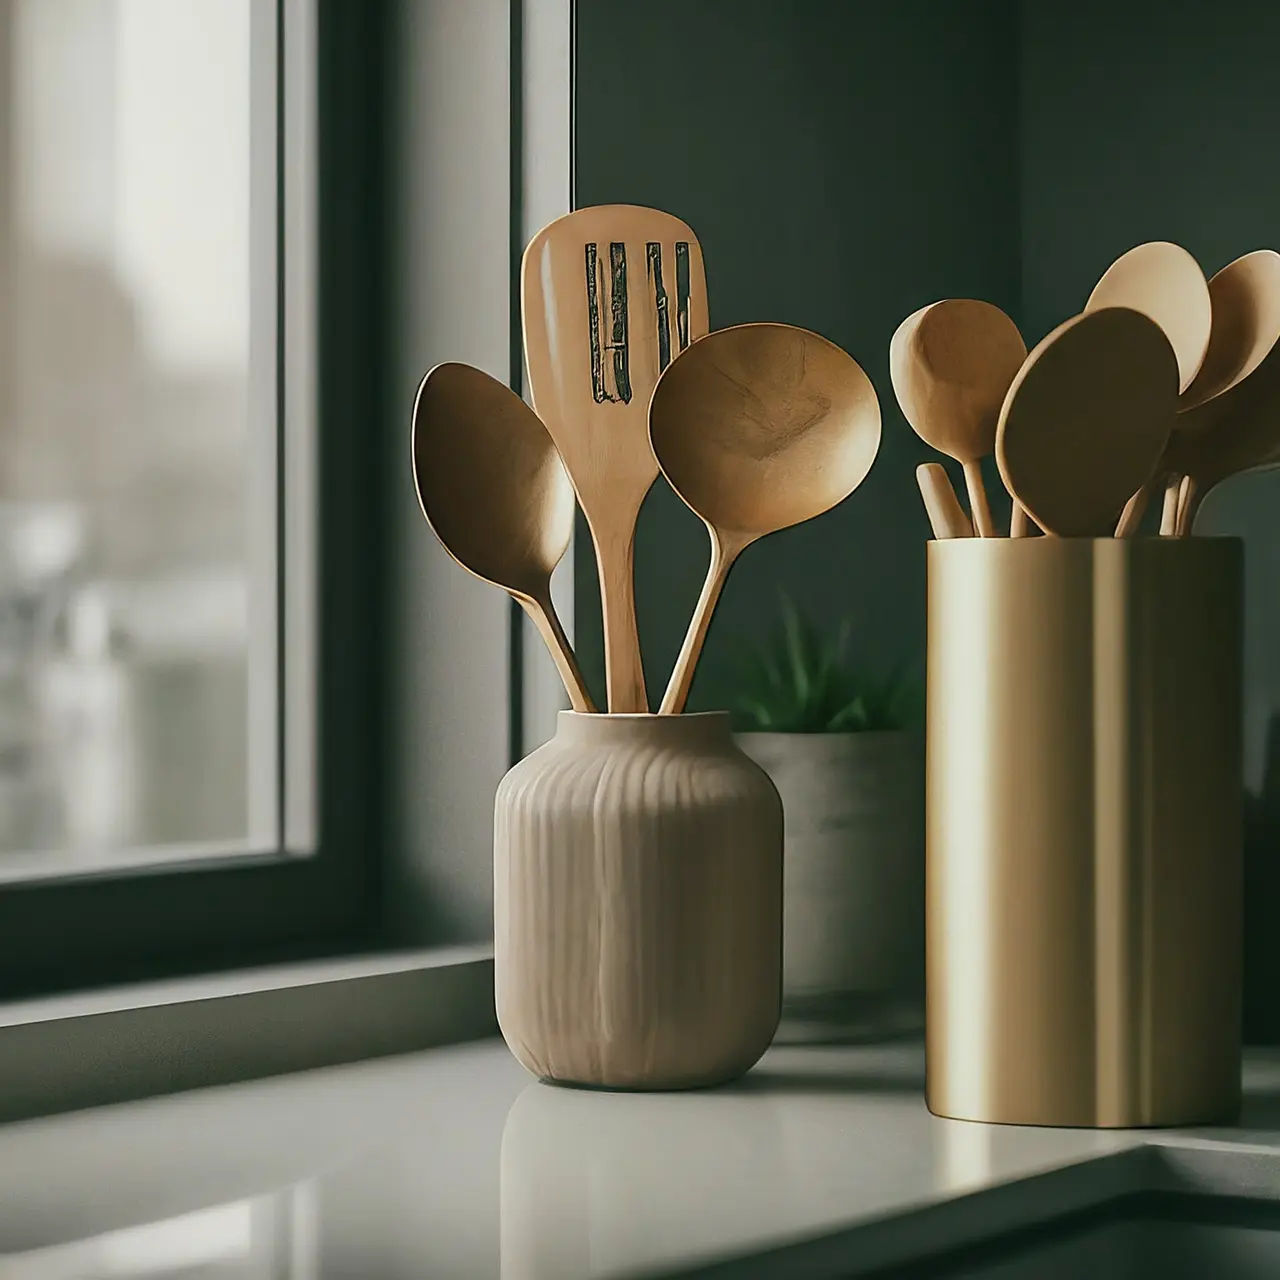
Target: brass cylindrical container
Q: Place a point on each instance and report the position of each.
(1084, 815)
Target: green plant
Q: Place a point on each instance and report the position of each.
(805, 683)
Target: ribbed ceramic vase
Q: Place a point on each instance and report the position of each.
(638, 904)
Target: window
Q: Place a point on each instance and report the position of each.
(137, 504)
(189, 529)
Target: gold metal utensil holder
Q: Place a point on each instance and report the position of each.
(1084, 830)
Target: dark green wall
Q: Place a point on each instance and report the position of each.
(842, 165)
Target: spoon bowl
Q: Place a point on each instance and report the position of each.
(1244, 435)
(1246, 326)
(757, 428)
(951, 364)
(1163, 282)
(1087, 419)
(494, 491)
(1245, 298)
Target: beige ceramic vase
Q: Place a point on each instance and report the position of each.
(638, 904)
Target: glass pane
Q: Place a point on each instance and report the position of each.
(137, 358)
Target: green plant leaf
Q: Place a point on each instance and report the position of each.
(804, 682)
(850, 718)
(758, 713)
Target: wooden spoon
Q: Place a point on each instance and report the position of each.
(951, 364)
(494, 491)
(609, 296)
(757, 428)
(1244, 436)
(1246, 325)
(946, 516)
(1165, 283)
(1087, 419)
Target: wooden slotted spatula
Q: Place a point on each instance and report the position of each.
(609, 296)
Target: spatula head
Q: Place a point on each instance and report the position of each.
(1164, 282)
(489, 479)
(1087, 419)
(609, 296)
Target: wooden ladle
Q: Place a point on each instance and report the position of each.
(1164, 282)
(757, 428)
(609, 296)
(494, 491)
(1246, 326)
(1087, 419)
(951, 364)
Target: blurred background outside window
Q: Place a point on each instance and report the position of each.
(138, 351)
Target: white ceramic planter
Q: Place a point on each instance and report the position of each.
(638, 904)
(853, 934)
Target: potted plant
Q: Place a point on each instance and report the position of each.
(843, 749)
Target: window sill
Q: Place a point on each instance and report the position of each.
(65, 1052)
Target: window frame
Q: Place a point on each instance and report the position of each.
(413, 98)
(141, 923)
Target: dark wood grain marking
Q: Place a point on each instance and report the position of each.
(682, 292)
(618, 311)
(653, 255)
(593, 327)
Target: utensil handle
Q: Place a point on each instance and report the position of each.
(1135, 509)
(1019, 521)
(545, 619)
(946, 515)
(677, 694)
(978, 506)
(1190, 496)
(623, 665)
(1169, 513)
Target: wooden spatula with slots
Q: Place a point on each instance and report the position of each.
(609, 296)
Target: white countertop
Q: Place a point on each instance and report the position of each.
(455, 1163)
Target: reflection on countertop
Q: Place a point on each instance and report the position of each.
(454, 1163)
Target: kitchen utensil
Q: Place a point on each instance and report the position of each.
(609, 296)
(951, 364)
(494, 491)
(757, 428)
(1244, 436)
(1246, 324)
(1087, 419)
(1174, 507)
(1165, 283)
(946, 516)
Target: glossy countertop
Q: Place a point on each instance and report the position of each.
(455, 1163)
